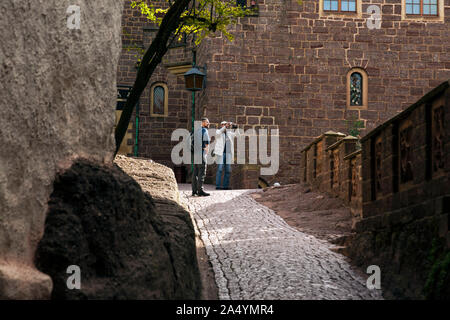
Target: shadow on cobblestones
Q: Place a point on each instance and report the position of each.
(255, 254)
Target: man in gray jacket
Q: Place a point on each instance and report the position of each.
(224, 151)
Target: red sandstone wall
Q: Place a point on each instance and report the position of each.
(287, 68)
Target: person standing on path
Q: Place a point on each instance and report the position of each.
(224, 151)
(199, 172)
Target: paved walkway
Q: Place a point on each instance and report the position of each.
(255, 254)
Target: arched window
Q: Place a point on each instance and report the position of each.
(357, 89)
(159, 100)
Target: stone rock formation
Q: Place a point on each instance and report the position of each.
(58, 93)
(128, 243)
(159, 182)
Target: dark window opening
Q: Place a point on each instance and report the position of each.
(248, 4)
(123, 93)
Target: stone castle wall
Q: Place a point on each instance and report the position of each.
(287, 68)
(406, 199)
(397, 187)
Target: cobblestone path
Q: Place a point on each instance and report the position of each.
(255, 254)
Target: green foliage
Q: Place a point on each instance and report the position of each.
(354, 125)
(438, 282)
(207, 17)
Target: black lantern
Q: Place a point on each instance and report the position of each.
(194, 79)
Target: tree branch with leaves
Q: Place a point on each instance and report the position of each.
(191, 17)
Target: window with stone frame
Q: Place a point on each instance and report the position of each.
(159, 100)
(421, 7)
(357, 89)
(339, 5)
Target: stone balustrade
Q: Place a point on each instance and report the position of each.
(332, 164)
(406, 159)
(397, 185)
